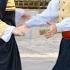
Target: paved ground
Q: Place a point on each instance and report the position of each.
(37, 64)
(37, 52)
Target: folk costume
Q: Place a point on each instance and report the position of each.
(63, 61)
(57, 8)
(9, 55)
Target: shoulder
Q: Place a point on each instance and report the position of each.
(3, 4)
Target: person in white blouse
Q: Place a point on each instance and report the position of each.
(49, 15)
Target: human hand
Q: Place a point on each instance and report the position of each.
(20, 30)
(52, 30)
(43, 31)
(26, 16)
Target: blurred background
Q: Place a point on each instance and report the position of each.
(37, 52)
(32, 4)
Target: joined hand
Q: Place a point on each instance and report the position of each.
(20, 30)
(50, 32)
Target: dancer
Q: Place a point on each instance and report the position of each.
(9, 54)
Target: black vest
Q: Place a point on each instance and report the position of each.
(2, 7)
(6, 16)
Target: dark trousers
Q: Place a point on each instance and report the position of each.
(63, 61)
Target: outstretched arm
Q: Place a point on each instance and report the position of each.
(59, 27)
(48, 14)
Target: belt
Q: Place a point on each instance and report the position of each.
(66, 35)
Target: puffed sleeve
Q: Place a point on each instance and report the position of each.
(5, 31)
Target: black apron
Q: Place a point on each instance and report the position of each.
(9, 54)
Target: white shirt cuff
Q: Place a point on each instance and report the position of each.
(59, 28)
(7, 34)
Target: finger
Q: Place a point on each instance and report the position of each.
(48, 35)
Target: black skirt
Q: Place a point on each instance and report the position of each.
(63, 61)
(9, 54)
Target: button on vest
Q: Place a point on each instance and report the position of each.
(64, 12)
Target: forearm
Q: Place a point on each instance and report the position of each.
(50, 13)
(37, 21)
(64, 25)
